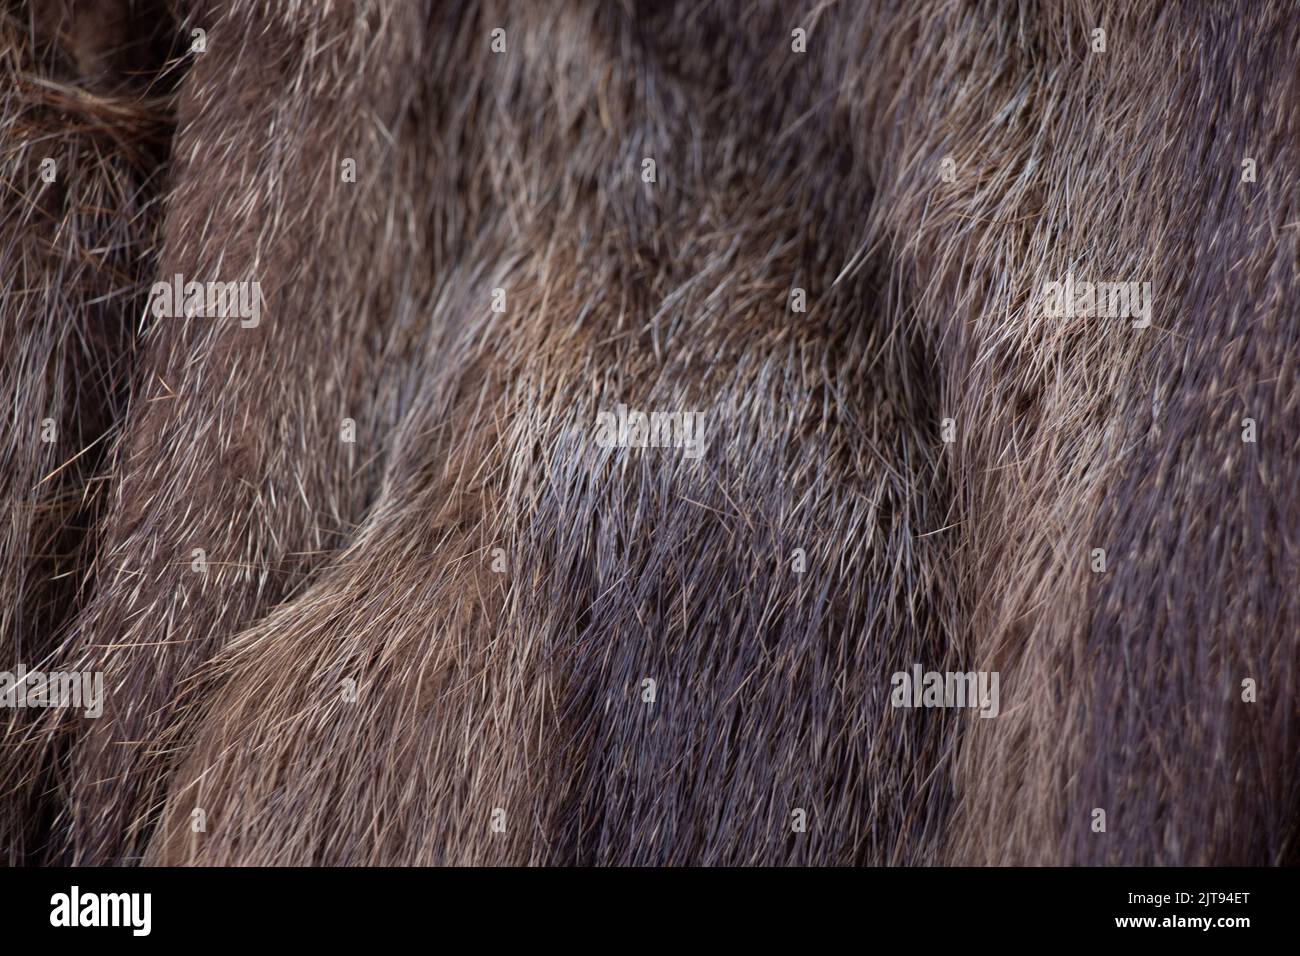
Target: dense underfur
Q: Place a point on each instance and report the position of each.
(498, 585)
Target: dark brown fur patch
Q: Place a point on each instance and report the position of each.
(519, 691)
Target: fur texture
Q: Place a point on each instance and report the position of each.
(511, 680)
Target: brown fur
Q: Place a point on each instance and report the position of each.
(521, 690)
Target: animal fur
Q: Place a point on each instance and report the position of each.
(498, 585)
